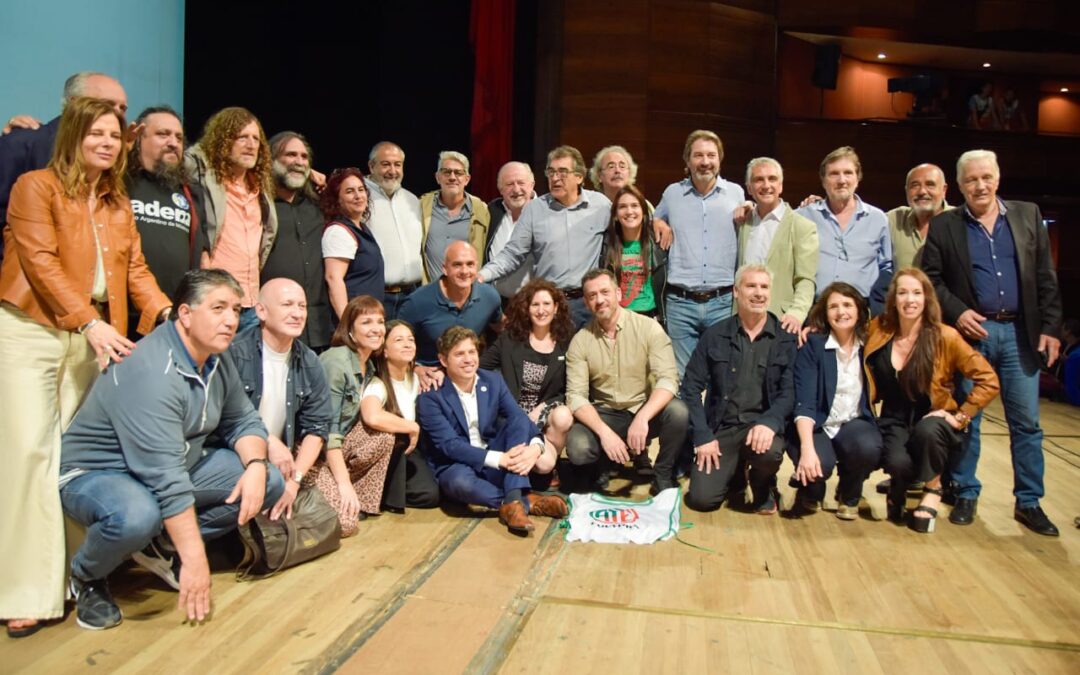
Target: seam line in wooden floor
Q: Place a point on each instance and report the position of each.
(503, 636)
(353, 638)
(829, 625)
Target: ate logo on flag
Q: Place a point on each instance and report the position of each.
(614, 517)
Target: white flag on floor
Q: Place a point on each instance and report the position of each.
(594, 517)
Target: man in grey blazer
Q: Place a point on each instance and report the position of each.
(990, 264)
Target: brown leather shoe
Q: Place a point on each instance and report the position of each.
(547, 505)
(513, 516)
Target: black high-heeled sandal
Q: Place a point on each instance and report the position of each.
(925, 525)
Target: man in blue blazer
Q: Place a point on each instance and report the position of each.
(991, 267)
(480, 444)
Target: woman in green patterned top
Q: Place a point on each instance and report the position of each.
(631, 252)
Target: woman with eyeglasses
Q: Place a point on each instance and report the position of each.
(631, 252)
(912, 362)
(353, 260)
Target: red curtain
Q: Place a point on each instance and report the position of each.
(491, 34)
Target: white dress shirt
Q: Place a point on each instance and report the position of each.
(395, 224)
(472, 418)
(762, 231)
(845, 405)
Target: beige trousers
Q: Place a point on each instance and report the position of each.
(45, 375)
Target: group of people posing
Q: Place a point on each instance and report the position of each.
(394, 352)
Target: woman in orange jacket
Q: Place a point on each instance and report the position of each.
(73, 258)
(911, 362)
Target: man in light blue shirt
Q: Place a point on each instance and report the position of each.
(854, 236)
(563, 230)
(701, 262)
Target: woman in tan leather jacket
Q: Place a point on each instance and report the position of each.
(911, 362)
(73, 258)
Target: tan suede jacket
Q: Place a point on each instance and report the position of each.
(955, 355)
(50, 259)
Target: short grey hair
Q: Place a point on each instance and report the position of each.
(196, 284)
(76, 84)
(379, 146)
(755, 162)
(976, 156)
(454, 155)
(594, 171)
(512, 164)
(751, 267)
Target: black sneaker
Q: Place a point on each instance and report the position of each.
(95, 608)
(155, 559)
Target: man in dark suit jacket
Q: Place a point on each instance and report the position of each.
(480, 444)
(990, 264)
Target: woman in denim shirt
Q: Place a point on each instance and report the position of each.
(352, 472)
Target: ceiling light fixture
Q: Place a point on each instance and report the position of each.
(986, 65)
(881, 55)
(1064, 90)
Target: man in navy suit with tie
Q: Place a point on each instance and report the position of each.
(480, 444)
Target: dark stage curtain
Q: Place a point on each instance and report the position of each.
(491, 35)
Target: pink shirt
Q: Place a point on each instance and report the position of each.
(239, 240)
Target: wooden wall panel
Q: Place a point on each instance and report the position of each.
(646, 73)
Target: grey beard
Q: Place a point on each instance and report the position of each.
(172, 176)
(287, 179)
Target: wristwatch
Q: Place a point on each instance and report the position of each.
(298, 477)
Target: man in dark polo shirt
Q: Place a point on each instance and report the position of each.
(169, 211)
(454, 299)
(297, 252)
(746, 363)
(990, 263)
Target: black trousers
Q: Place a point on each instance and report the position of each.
(670, 426)
(707, 490)
(857, 447)
(409, 481)
(919, 452)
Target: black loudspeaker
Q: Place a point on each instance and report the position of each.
(826, 66)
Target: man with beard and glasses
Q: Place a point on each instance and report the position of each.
(701, 264)
(297, 251)
(169, 210)
(395, 222)
(517, 187)
(909, 225)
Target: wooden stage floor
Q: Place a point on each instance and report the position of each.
(432, 593)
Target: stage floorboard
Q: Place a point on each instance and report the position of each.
(431, 592)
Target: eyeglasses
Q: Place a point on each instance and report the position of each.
(616, 165)
(843, 249)
(560, 172)
(452, 172)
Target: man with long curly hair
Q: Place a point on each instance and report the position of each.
(232, 163)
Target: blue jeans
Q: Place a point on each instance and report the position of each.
(579, 313)
(392, 303)
(687, 320)
(122, 516)
(1007, 349)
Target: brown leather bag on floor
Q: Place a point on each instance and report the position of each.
(271, 546)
